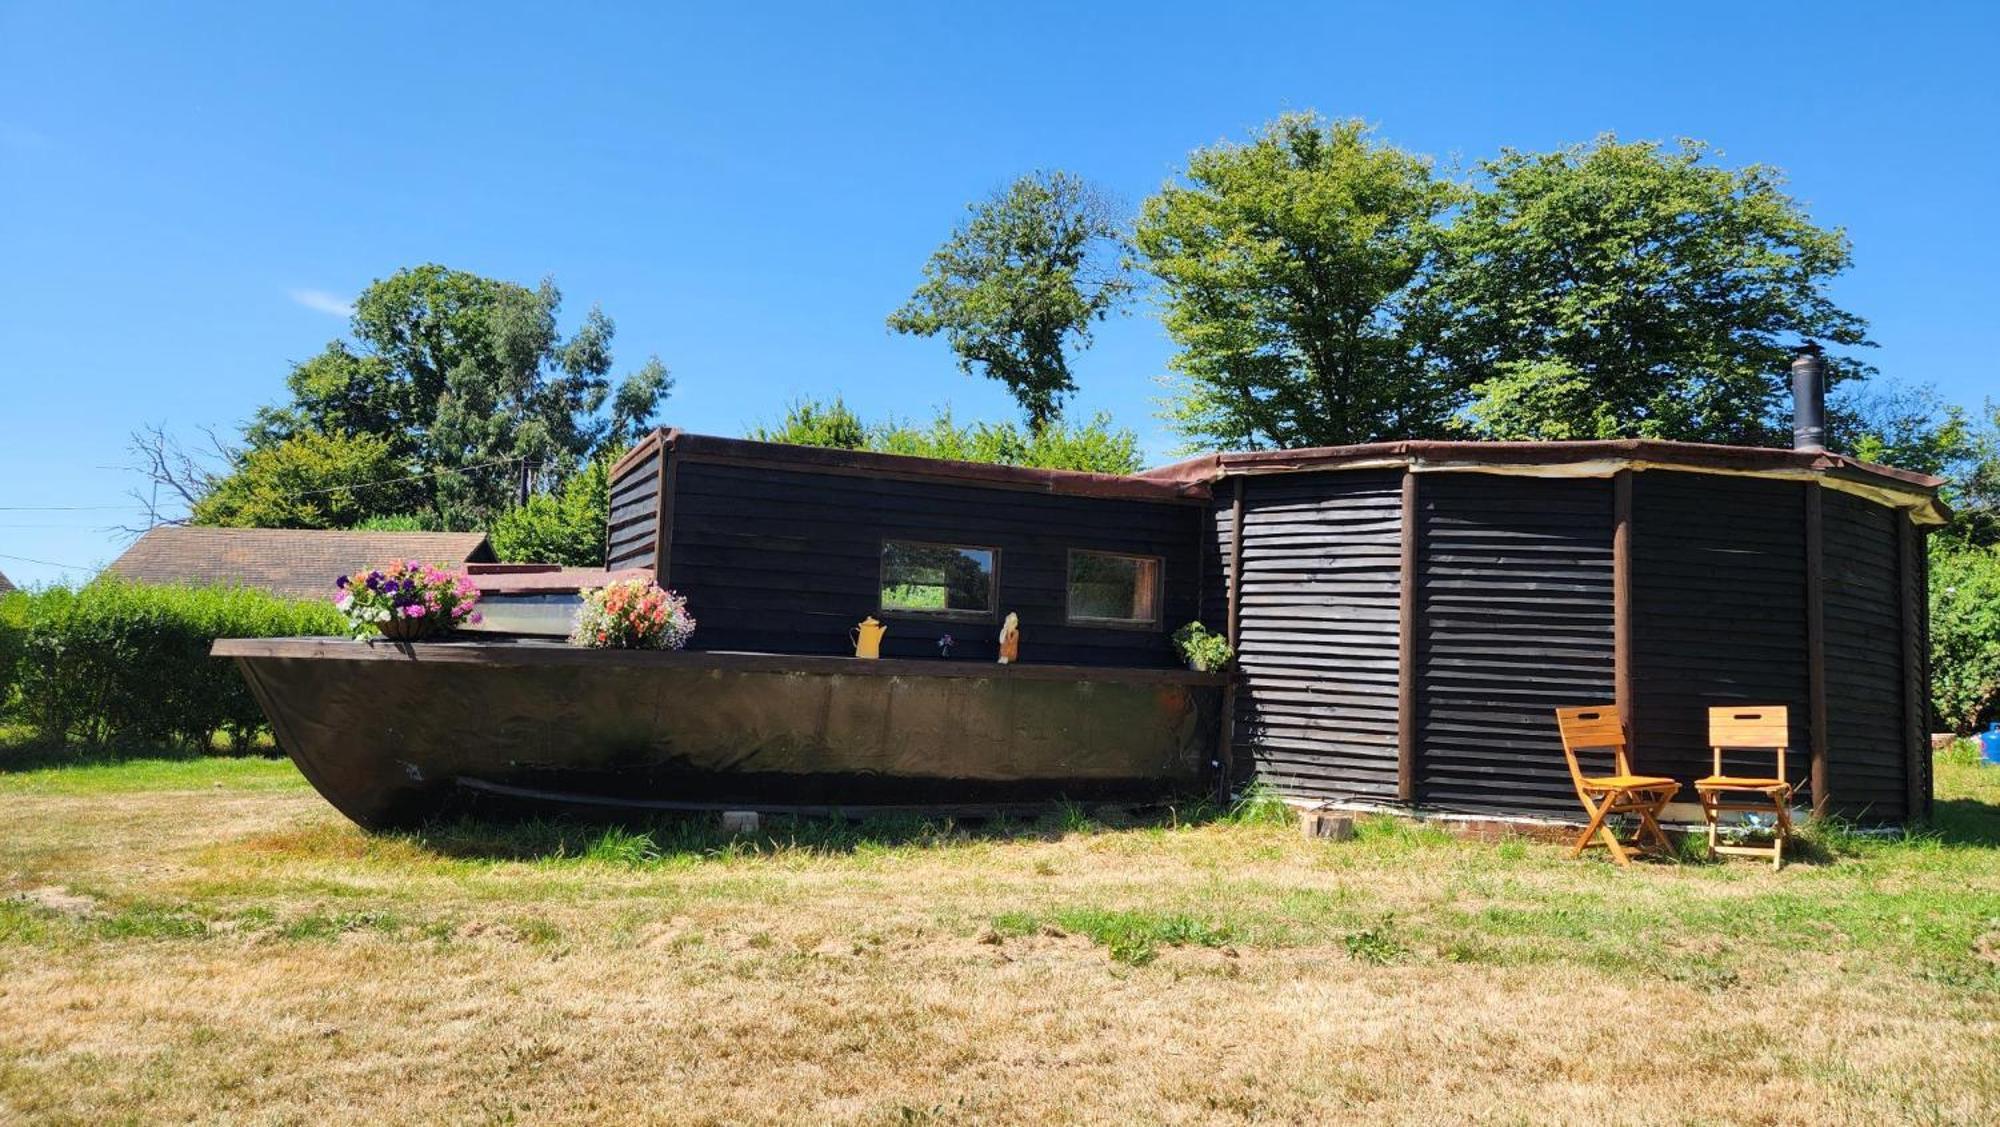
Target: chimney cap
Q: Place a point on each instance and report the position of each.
(1809, 348)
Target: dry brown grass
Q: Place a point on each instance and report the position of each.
(242, 954)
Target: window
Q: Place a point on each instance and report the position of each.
(946, 580)
(1113, 590)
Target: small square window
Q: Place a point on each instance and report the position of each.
(943, 580)
(1106, 589)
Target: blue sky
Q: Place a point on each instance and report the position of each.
(189, 193)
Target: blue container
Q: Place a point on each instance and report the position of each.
(1989, 744)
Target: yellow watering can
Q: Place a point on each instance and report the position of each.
(867, 637)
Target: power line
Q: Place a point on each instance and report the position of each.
(44, 563)
(135, 507)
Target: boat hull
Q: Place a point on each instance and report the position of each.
(393, 735)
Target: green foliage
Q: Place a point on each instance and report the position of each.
(1617, 289)
(1019, 283)
(1913, 428)
(310, 480)
(1295, 270)
(117, 662)
(1093, 446)
(808, 422)
(1260, 805)
(13, 642)
(1135, 938)
(1202, 648)
(568, 527)
(1379, 944)
(1965, 635)
(401, 522)
(464, 378)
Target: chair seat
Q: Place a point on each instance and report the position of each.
(1628, 782)
(1735, 782)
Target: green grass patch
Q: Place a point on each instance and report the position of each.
(247, 773)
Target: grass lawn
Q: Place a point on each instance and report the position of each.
(206, 939)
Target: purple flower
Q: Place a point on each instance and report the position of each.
(341, 583)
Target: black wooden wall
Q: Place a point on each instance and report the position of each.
(1719, 615)
(635, 509)
(1515, 619)
(1316, 706)
(787, 561)
(1867, 753)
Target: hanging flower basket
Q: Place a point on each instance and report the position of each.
(406, 602)
(406, 629)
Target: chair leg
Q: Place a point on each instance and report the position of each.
(1597, 813)
(1616, 847)
(1708, 813)
(1649, 828)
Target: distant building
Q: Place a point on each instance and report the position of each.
(5, 586)
(296, 563)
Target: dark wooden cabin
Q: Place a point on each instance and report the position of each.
(1406, 615)
(783, 549)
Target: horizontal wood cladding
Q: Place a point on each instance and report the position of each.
(1719, 617)
(788, 561)
(1867, 753)
(1515, 619)
(634, 512)
(1316, 706)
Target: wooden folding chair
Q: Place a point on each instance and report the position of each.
(1757, 727)
(1599, 728)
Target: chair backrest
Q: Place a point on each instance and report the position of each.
(1750, 726)
(1592, 727)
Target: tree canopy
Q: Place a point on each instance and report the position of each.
(1293, 271)
(1630, 289)
(463, 379)
(570, 527)
(1095, 446)
(1019, 284)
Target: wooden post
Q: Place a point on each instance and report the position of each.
(1912, 583)
(1235, 625)
(1816, 646)
(663, 527)
(1406, 647)
(1621, 604)
(1226, 723)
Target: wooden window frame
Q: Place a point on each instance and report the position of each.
(990, 614)
(1158, 620)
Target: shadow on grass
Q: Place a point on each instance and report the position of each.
(1965, 821)
(24, 753)
(648, 840)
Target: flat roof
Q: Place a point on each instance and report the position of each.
(1194, 478)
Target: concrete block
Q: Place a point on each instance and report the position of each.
(1328, 825)
(740, 821)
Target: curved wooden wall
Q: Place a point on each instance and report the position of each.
(1515, 619)
(1316, 703)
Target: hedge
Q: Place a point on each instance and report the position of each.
(1965, 636)
(116, 662)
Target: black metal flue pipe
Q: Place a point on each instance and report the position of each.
(1809, 397)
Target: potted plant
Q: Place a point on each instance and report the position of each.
(633, 614)
(406, 602)
(1204, 650)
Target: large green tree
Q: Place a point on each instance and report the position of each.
(1632, 289)
(1019, 284)
(1294, 269)
(466, 379)
(309, 480)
